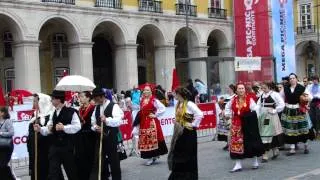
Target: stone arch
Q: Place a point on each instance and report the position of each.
(220, 38)
(12, 24)
(307, 58)
(71, 29)
(150, 39)
(118, 30)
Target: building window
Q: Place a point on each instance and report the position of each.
(141, 51)
(215, 4)
(7, 44)
(9, 79)
(305, 15)
(59, 73)
(60, 46)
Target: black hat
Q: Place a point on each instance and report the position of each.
(57, 94)
(97, 92)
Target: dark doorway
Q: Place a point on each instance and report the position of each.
(102, 63)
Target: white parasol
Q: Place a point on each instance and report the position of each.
(75, 83)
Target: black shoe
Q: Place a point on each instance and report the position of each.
(264, 160)
(255, 167)
(275, 157)
(306, 151)
(235, 170)
(225, 148)
(290, 153)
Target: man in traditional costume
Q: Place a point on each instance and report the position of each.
(109, 115)
(63, 123)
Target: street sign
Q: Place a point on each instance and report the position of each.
(247, 64)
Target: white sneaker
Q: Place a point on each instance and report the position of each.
(149, 162)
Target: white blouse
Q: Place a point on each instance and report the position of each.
(277, 99)
(192, 108)
(228, 109)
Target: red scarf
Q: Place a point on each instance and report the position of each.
(85, 111)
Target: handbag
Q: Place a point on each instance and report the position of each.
(5, 142)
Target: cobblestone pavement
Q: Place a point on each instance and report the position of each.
(214, 164)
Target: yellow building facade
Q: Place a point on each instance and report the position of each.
(116, 43)
(307, 26)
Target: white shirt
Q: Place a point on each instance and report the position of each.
(228, 109)
(192, 108)
(160, 107)
(72, 128)
(309, 91)
(114, 121)
(277, 99)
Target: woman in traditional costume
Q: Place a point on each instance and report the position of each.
(245, 141)
(295, 122)
(151, 141)
(182, 158)
(86, 138)
(270, 104)
(224, 123)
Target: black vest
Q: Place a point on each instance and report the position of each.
(107, 113)
(61, 138)
(268, 102)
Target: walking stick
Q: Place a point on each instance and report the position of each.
(36, 149)
(100, 151)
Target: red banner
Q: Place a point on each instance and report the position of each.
(253, 36)
(126, 125)
(25, 115)
(209, 112)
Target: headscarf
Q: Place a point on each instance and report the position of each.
(45, 108)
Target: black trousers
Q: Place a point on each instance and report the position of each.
(109, 151)
(62, 155)
(5, 170)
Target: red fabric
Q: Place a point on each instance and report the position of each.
(175, 80)
(2, 100)
(253, 96)
(236, 143)
(68, 94)
(148, 138)
(85, 112)
(22, 92)
(253, 39)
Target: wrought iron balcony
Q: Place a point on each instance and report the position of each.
(306, 29)
(150, 6)
(217, 13)
(116, 4)
(183, 9)
(60, 1)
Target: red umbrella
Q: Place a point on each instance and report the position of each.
(21, 92)
(175, 80)
(2, 100)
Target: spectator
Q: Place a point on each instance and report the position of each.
(192, 90)
(202, 90)
(6, 148)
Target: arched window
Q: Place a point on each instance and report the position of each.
(60, 46)
(9, 79)
(7, 44)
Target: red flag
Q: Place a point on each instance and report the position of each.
(2, 100)
(175, 80)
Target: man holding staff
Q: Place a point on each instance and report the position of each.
(106, 119)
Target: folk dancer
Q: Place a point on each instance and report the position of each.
(63, 123)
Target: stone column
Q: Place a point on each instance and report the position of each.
(198, 69)
(164, 65)
(27, 67)
(226, 68)
(126, 66)
(80, 60)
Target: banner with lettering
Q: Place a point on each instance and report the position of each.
(283, 37)
(253, 37)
